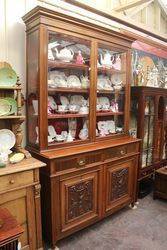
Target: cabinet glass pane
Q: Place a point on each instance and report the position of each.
(151, 131)
(68, 88)
(32, 89)
(133, 117)
(111, 81)
(149, 106)
(149, 157)
(146, 132)
(144, 159)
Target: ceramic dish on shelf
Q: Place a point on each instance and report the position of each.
(13, 105)
(60, 81)
(111, 126)
(51, 103)
(8, 138)
(73, 81)
(64, 100)
(116, 79)
(8, 77)
(5, 107)
(103, 100)
(76, 100)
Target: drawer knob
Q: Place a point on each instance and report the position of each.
(11, 181)
(123, 152)
(81, 162)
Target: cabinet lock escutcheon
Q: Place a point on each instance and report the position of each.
(12, 181)
(123, 152)
(81, 162)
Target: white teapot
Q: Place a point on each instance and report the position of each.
(65, 54)
(106, 59)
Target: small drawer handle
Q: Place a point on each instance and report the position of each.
(11, 181)
(123, 152)
(81, 162)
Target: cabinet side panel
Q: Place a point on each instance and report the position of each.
(32, 87)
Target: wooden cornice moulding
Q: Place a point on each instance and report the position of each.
(36, 15)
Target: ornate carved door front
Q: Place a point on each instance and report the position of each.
(119, 183)
(79, 199)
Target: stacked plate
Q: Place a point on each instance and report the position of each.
(8, 106)
(8, 77)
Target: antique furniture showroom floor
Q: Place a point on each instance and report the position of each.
(83, 125)
(143, 228)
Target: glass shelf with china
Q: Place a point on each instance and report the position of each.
(111, 85)
(68, 89)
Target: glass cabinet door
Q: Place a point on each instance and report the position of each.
(149, 115)
(111, 81)
(164, 155)
(68, 89)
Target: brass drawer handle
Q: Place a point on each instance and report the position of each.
(11, 181)
(81, 162)
(123, 152)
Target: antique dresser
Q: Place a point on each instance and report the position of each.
(78, 101)
(20, 195)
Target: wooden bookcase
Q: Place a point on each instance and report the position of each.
(86, 179)
(148, 114)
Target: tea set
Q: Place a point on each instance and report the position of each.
(64, 136)
(70, 104)
(65, 54)
(104, 104)
(68, 136)
(107, 127)
(109, 61)
(58, 79)
(106, 83)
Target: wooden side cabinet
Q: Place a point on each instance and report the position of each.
(20, 194)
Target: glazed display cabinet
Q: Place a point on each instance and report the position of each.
(78, 96)
(148, 120)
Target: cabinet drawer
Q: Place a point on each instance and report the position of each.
(11, 181)
(78, 161)
(120, 151)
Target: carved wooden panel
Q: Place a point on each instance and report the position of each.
(119, 183)
(80, 199)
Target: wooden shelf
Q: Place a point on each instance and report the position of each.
(10, 88)
(122, 92)
(65, 142)
(66, 65)
(66, 115)
(12, 117)
(149, 114)
(68, 90)
(110, 70)
(108, 113)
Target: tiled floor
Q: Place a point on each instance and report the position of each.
(142, 229)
